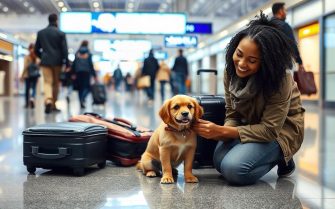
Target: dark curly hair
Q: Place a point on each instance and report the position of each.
(276, 49)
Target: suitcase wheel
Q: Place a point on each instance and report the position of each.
(102, 164)
(31, 169)
(78, 171)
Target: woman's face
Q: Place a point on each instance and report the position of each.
(246, 58)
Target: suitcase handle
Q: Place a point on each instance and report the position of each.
(62, 152)
(118, 121)
(207, 71)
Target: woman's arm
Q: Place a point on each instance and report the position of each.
(210, 130)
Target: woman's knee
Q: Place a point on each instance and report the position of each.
(237, 173)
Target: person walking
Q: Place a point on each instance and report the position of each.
(83, 69)
(180, 73)
(150, 67)
(163, 76)
(51, 48)
(279, 17)
(30, 76)
(264, 124)
(117, 78)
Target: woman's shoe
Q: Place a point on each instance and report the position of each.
(286, 170)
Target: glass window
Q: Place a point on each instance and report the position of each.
(329, 44)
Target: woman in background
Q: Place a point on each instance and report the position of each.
(30, 76)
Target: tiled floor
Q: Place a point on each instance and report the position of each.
(311, 186)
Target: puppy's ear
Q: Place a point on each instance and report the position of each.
(164, 112)
(198, 110)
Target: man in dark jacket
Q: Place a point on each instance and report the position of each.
(150, 67)
(180, 73)
(279, 17)
(51, 48)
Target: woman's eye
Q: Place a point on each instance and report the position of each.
(239, 55)
(189, 106)
(252, 61)
(176, 107)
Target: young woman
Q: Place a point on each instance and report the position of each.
(264, 124)
(30, 76)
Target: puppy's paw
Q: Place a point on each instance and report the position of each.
(167, 180)
(151, 174)
(191, 179)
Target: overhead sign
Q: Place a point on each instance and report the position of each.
(173, 41)
(123, 23)
(198, 28)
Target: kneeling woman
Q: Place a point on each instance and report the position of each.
(264, 124)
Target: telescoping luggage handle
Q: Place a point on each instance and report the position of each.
(62, 152)
(199, 72)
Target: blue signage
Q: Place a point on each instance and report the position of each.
(198, 28)
(180, 41)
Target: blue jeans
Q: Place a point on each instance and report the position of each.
(30, 84)
(244, 164)
(163, 90)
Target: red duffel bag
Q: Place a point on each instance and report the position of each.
(126, 142)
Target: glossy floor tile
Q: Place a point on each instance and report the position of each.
(311, 186)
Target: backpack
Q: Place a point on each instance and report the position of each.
(82, 63)
(33, 71)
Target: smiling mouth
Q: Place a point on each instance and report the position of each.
(242, 70)
(185, 120)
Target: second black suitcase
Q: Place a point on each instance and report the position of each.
(65, 144)
(214, 111)
(99, 94)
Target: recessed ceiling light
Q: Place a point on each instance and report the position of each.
(5, 9)
(31, 9)
(96, 4)
(26, 4)
(64, 9)
(60, 4)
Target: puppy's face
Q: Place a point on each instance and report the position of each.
(180, 111)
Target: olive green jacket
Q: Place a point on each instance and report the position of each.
(279, 117)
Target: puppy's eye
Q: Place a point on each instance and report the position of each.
(176, 107)
(189, 106)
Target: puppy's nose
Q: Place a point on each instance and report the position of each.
(185, 114)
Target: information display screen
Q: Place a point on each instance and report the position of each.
(180, 41)
(123, 23)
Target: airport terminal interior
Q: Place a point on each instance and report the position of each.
(120, 34)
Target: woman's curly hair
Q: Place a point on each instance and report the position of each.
(276, 49)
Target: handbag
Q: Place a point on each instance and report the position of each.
(305, 81)
(143, 82)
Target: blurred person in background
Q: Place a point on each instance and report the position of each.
(180, 73)
(129, 81)
(163, 76)
(150, 67)
(51, 48)
(30, 76)
(83, 69)
(279, 17)
(117, 78)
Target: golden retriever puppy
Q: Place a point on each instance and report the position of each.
(173, 142)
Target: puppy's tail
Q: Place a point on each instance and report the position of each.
(139, 166)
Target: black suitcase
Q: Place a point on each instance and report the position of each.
(99, 94)
(214, 111)
(65, 144)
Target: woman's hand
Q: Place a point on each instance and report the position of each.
(208, 130)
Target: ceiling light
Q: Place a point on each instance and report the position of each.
(60, 4)
(5, 9)
(64, 9)
(26, 4)
(96, 4)
(130, 5)
(31, 9)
